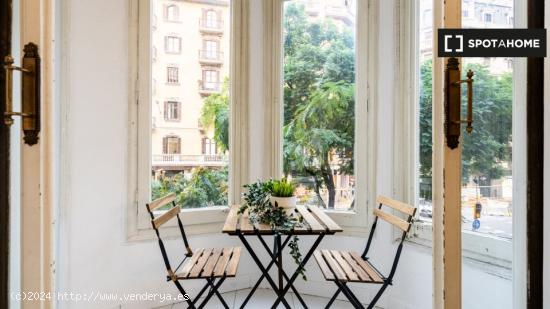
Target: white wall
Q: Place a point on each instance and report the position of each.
(92, 253)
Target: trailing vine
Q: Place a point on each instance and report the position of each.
(260, 210)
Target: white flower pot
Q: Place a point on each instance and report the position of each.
(283, 202)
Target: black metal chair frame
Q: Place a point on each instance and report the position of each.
(344, 288)
(210, 282)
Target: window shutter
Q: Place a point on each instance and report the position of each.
(178, 111)
(165, 145)
(165, 110)
(203, 145)
(179, 146)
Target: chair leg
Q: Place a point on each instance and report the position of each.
(211, 283)
(377, 296)
(333, 298)
(211, 292)
(183, 293)
(349, 295)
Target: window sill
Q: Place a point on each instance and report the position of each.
(491, 254)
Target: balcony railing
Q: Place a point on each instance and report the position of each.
(190, 160)
(207, 88)
(210, 57)
(211, 26)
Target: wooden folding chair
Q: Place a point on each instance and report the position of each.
(342, 267)
(210, 264)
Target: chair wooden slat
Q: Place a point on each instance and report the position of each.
(232, 220)
(219, 270)
(161, 201)
(363, 276)
(199, 266)
(398, 222)
(231, 269)
(208, 269)
(338, 272)
(375, 276)
(327, 273)
(310, 219)
(350, 274)
(397, 205)
(189, 265)
(165, 217)
(246, 227)
(325, 219)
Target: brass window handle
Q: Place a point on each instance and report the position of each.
(452, 99)
(30, 93)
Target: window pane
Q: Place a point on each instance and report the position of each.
(189, 139)
(319, 100)
(487, 152)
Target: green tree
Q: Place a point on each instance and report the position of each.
(319, 78)
(489, 145)
(215, 115)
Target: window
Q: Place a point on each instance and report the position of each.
(172, 12)
(172, 111)
(488, 18)
(211, 49)
(211, 79)
(172, 44)
(320, 103)
(152, 171)
(488, 184)
(172, 75)
(209, 146)
(171, 145)
(211, 19)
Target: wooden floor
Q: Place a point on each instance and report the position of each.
(263, 298)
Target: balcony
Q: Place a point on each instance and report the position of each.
(210, 57)
(208, 88)
(211, 26)
(179, 161)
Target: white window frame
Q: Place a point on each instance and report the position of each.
(172, 41)
(200, 220)
(355, 222)
(492, 254)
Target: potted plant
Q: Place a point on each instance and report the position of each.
(282, 194)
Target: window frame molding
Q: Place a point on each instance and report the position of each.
(199, 220)
(492, 254)
(355, 222)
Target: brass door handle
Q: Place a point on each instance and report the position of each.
(30, 93)
(453, 102)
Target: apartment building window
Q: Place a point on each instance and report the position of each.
(209, 146)
(171, 145)
(172, 75)
(211, 49)
(211, 79)
(488, 18)
(172, 12)
(172, 110)
(172, 44)
(211, 19)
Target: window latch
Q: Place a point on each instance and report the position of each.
(453, 115)
(30, 93)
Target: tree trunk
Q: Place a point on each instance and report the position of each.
(317, 186)
(329, 181)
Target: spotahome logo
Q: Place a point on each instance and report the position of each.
(491, 42)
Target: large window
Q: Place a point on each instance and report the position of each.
(319, 101)
(487, 178)
(182, 160)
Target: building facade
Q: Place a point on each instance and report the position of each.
(190, 60)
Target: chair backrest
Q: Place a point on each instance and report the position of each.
(163, 217)
(404, 225)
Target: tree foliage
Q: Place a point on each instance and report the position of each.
(489, 145)
(215, 115)
(319, 82)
